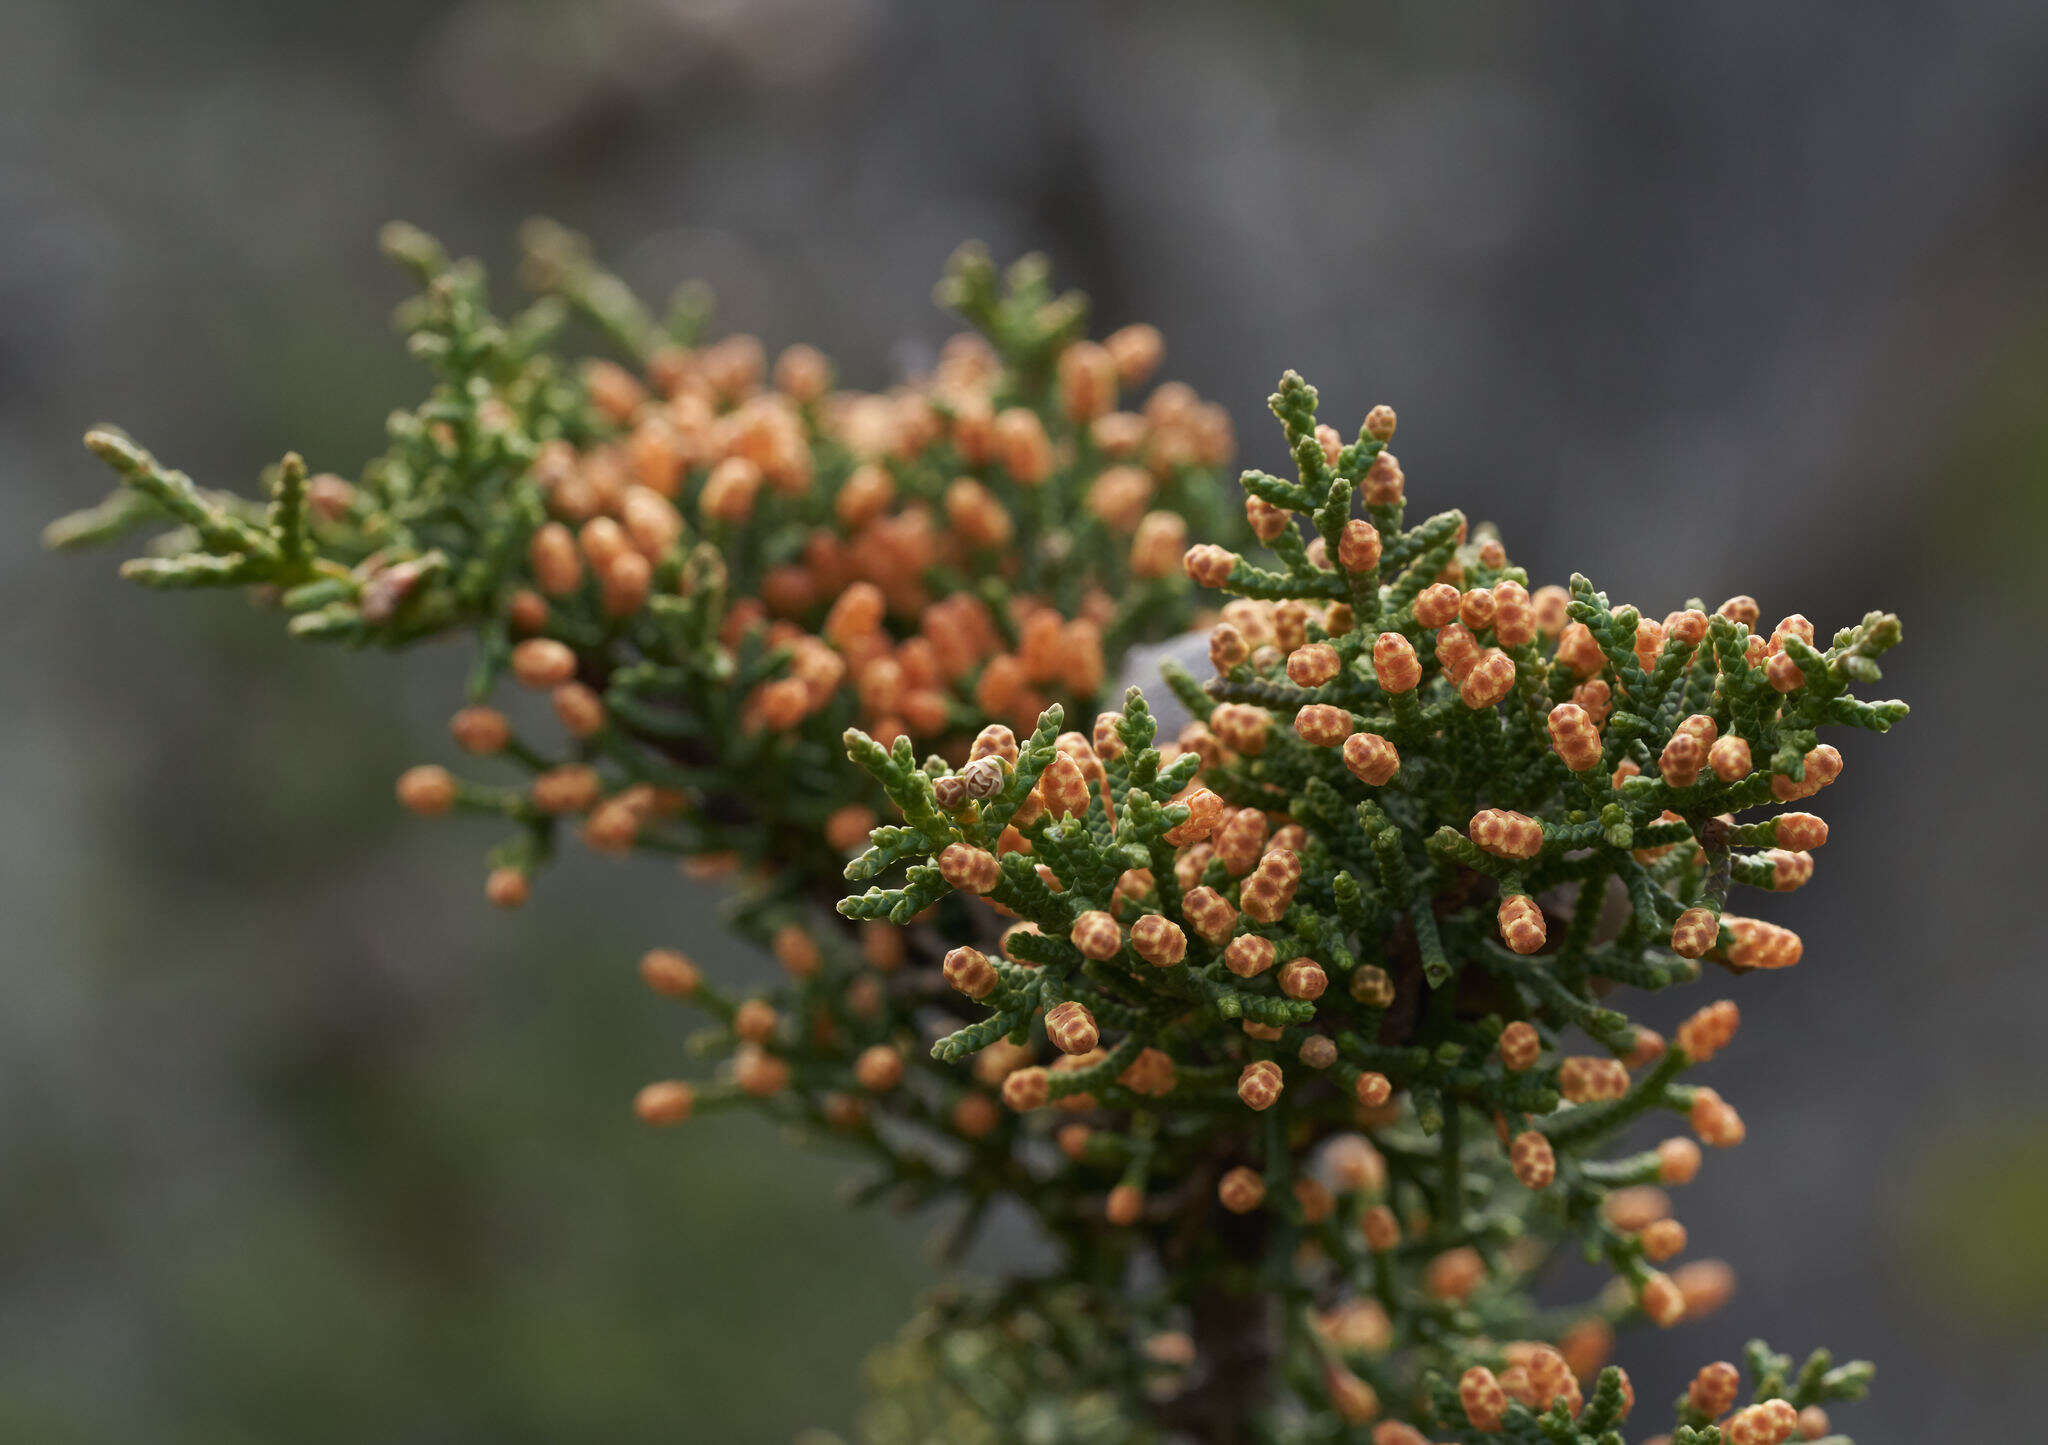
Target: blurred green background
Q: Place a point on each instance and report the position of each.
(301, 1141)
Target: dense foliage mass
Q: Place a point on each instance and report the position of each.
(1296, 1035)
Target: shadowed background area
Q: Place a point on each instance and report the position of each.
(302, 1141)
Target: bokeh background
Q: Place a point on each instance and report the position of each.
(299, 1140)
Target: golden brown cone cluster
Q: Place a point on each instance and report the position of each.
(709, 438)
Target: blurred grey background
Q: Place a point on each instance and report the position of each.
(301, 1141)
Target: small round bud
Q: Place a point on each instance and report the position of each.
(428, 790)
(1266, 895)
(1027, 1089)
(1491, 678)
(1322, 725)
(579, 709)
(1578, 652)
(1706, 1285)
(507, 887)
(1800, 831)
(1135, 350)
(1259, 1084)
(1709, 1030)
(1379, 425)
(1358, 546)
(757, 1072)
(796, 950)
(1694, 933)
(1151, 1074)
(1373, 1089)
(1209, 913)
(1303, 978)
(1514, 616)
(480, 730)
(1125, 1205)
(556, 563)
(1521, 923)
(1355, 1165)
(1381, 1229)
(1520, 1046)
(1205, 811)
(878, 1069)
(1661, 1301)
(1207, 564)
(1249, 955)
(1483, 1399)
(969, 971)
(1586, 1079)
(542, 662)
(1318, 1051)
(1678, 1161)
(666, 1102)
(1662, 1239)
(1715, 1120)
(1159, 940)
(1437, 605)
(1715, 1387)
(1371, 758)
(669, 973)
(1071, 1028)
(1729, 758)
(1241, 1190)
(1395, 664)
(1454, 1274)
(1372, 986)
(969, 869)
(1681, 760)
(1531, 1158)
(1313, 665)
(1823, 766)
(1506, 834)
(1574, 737)
(1096, 934)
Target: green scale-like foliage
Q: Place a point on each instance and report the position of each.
(1397, 905)
(1323, 1267)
